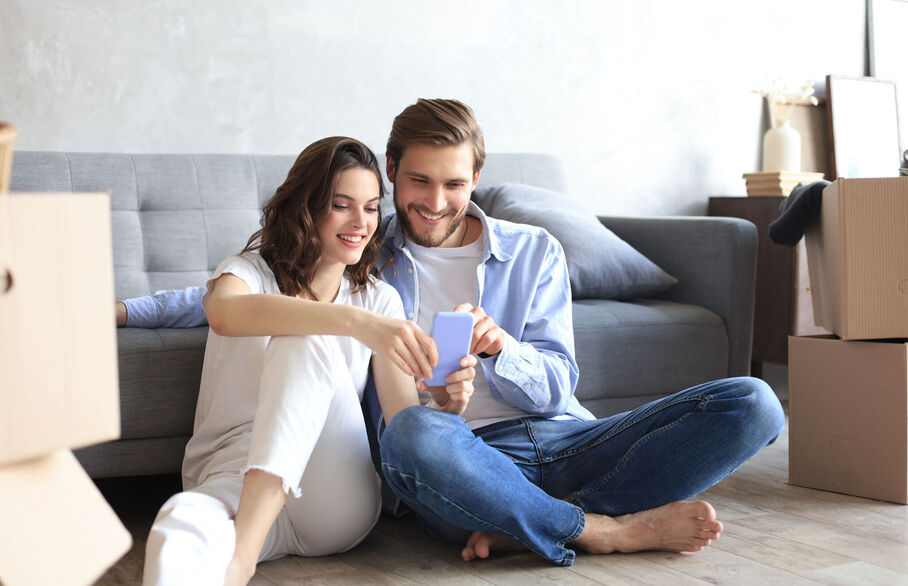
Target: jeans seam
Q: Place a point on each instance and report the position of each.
(567, 557)
(540, 461)
(581, 525)
(701, 400)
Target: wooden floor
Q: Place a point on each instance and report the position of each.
(775, 533)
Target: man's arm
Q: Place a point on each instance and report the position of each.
(165, 309)
(534, 367)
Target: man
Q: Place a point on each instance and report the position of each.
(527, 466)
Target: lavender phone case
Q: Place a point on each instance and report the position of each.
(452, 332)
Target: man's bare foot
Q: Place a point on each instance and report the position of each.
(481, 544)
(679, 526)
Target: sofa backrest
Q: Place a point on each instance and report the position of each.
(175, 217)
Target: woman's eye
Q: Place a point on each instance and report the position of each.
(372, 209)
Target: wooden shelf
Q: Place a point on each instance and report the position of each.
(782, 301)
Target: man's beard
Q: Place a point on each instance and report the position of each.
(429, 240)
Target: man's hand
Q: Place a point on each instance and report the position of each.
(402, 341)
(488, 338)
(120, 312)
(455, 396)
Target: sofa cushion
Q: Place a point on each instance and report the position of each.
(601, 265)
(672, 346)
(160, 372)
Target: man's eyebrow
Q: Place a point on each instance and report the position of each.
(426, 177)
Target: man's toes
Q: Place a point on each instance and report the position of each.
(482, 547)
(703, 510)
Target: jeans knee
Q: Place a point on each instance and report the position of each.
(417, 434)
(406, 432)
(764, 413)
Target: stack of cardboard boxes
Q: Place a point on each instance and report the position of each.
(58, 386)
(849, 391)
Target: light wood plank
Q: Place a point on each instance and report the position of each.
(858, 574)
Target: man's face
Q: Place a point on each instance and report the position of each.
(432, 186)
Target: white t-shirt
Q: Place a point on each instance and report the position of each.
(233, 367)
(448, 277)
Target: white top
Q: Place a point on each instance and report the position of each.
(447, 278)
(233, 367)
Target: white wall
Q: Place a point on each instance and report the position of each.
(648, 102)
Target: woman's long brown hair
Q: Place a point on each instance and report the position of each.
(288, 239)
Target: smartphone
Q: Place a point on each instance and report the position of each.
(452, 332)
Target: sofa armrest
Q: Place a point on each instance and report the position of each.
(714, 260)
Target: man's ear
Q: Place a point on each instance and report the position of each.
(390, 169)
(476, 178)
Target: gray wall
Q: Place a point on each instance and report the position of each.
(648, 102)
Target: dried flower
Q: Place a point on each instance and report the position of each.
(782, 98)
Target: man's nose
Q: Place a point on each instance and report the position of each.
(435, 199)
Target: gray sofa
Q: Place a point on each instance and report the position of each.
(175, 217)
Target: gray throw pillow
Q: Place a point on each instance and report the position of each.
(601, 265)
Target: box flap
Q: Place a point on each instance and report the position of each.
(57, 527)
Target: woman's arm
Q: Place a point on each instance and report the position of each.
(396, 389)
(233, 311)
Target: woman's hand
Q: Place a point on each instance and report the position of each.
(455, 395)
(401, 341)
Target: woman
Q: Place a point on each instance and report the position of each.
(296, 321)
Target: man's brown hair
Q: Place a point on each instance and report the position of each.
(436, 122)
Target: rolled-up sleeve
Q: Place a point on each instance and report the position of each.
(538, 372)
(180, 308)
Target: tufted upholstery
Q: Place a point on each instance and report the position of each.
(175, 217)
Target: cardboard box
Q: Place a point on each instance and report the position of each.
(57, 527)
(858, 259)
(59, 387)
(848, 407)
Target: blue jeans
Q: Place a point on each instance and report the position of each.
(532, 479)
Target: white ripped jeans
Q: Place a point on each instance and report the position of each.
(309, 431)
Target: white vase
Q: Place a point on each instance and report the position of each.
(782, 149)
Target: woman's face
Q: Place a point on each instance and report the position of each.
(353, 218)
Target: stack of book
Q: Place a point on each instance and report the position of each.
(777, 182)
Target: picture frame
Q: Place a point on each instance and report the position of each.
(887, 21)
(862, 117)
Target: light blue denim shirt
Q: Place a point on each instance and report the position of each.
(523, 286)
(180, 308)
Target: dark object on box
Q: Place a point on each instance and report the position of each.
(798, 210)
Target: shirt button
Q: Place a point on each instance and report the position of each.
(410, 270)
(410, 315)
